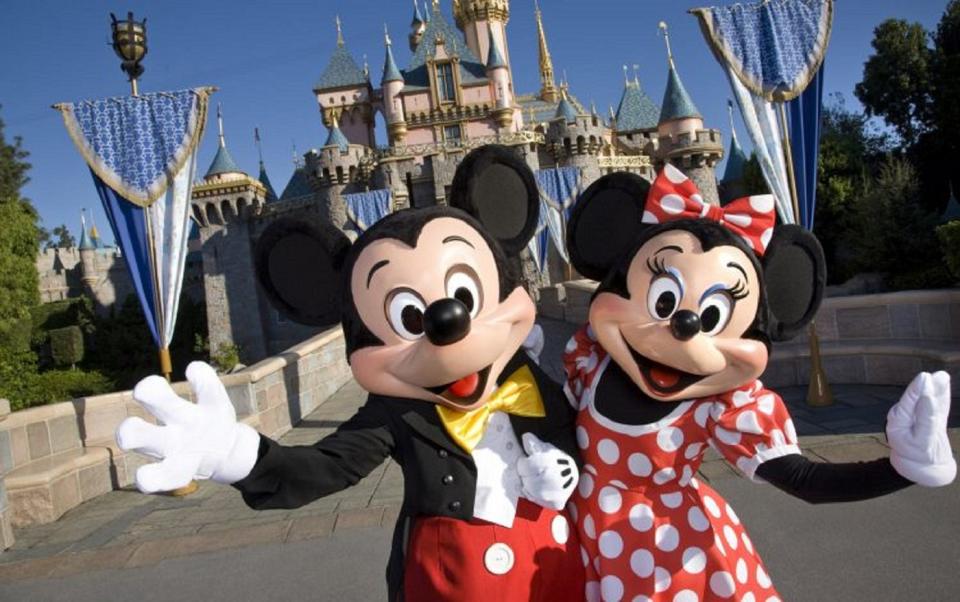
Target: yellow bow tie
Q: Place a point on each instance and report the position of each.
(518, 395)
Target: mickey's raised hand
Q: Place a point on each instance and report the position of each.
(917, 431)
(548, 474)
(198, 441)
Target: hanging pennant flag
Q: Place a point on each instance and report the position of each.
(559, 188)
(804, 112)
(141, 151)
(364, 209)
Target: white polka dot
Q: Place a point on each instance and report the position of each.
(571, 345)
(742, 570)
(610, 499)
(589, 528)
(639, 464)
(686, 476)
(721, 583)
(611, 589)
(749, 242)
(741, 398)
(748, 597)
(618, 484)
(661, 579)
(731, 536)
(649, 218)
(608, 451)
(694, 561)
(711, 506)
(696, 198)
(738, 219)
(669, 439)
(728, 437)
(719, 544)
(746, 542)
(672, 203)
(697, 519)
(692, 450)
(673, 174)
(733, 515)
(583, 438)
(791, 430)
(584, 556)
(747, 422)
(641, 517)
(686, 595)
(672, 500)
(695, 483)
(762, 578)
(667, 538)
(778, 438)
(765, 403)
(611, 544)
(641, 563)
(701, 414)
(592, 591)
(586, 485)
(560, 529)
(664, 475)
(773, 599)
(765, 237)
(641, 598)
(591, 362)
(762, 203)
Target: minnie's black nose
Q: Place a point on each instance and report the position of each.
(446, 321)
(685, 325)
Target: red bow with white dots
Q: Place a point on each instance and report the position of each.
(673, 197)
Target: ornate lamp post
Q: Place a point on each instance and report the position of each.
(130, 44)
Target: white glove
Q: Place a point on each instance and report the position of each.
(548, 474)
(917, 431)
(200, 441)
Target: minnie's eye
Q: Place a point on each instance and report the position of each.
(715, 312)
(663, 297)
(463, 285)
(405, 314)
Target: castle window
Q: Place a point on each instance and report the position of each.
(451, 133)
(445, 89)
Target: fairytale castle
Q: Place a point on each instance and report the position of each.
(456, 93)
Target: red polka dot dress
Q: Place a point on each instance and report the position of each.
(651, 531)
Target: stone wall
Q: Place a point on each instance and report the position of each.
(56, 456)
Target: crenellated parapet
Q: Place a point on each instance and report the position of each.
(233, 196)
(583, 136)
(470, 11)
(696, 148)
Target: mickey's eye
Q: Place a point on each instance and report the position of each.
(405, 313)
(715, 312)
(664, 297)
(464, 286)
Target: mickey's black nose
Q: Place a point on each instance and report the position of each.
(446, 321)
(685, 325)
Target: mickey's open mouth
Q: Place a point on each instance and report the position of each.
(663, 379)
(464, 391)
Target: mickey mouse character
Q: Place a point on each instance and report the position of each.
(434, 321)
(679, 331)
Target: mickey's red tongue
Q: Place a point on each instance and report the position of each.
(466, 386)
(664, 377)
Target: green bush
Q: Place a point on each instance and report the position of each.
(18, 373)
(66, 346)
(949, 235)
(63, 385)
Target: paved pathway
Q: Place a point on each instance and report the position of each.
(128, 530)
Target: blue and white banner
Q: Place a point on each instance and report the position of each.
(804, 112)
(559, 189)
(141, 151)
(364, 209)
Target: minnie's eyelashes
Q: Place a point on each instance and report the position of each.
(656, 266)
(739, 291)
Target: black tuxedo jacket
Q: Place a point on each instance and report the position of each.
(439, 476)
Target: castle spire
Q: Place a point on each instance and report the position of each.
(340, 41)
(222, 161)
(548, 86)
(736, 158)
(223, 143)
(666, 38)
(271, 194)
(390, 71)
(677, 103)
(85, 243)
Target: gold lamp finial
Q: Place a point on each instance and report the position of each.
(129, 42)
(666, 38)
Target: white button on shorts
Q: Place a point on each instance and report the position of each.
(498, 559)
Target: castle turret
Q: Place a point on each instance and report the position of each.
(88, 259)
(479, 20)
(636, 117)
(338, 167)
(270, 195)
(345, 95)
(683, 140)
(499, 75)
(392, 83)
(548, 86)
(575, 138)
(417, 26)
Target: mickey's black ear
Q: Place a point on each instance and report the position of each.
(795, 275)
(606, 220)
(496, 187)
(298, 265)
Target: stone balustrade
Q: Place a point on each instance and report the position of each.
(54, 457)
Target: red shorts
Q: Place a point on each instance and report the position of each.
(537, 559)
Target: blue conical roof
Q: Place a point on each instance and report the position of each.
(265, 180)
(677, 103)
(417, 17)
(85, 243)
(565, 110)
(336, 138)
(298, 186)
(341, 72)
(390, 71)
(222, 163)
(736, 160)
(494, 56)
(636, 111)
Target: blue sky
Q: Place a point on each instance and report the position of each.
(265, 56)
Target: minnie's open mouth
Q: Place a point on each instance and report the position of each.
(663, 379)
(464, 391)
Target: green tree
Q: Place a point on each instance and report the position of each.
(897, 79)
(65, 240)
(13, 166)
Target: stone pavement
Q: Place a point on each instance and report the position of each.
(125, 529)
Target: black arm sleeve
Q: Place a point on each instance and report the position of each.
(290, 477)
(820, 483)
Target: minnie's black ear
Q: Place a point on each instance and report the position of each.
(606, 220)
(795, 275)
(496, 187)
(298, 266)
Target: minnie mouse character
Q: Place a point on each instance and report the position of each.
(679, 331)
(434, 321)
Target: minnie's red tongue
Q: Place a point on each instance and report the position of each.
(664, 377)
(466, 386)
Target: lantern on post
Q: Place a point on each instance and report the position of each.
(130, 44)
